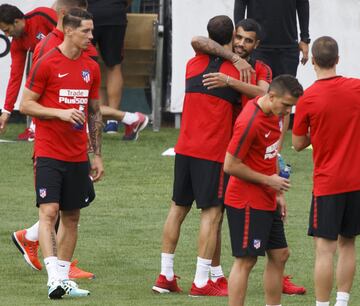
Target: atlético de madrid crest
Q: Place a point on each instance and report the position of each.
(42, 192)
(86, 75)
(257, 243)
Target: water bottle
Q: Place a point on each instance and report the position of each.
(80, 126)
(285, 172)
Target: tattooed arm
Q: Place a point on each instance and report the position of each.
(209, 46)
(95, 133)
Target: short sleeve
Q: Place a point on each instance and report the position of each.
(264, 73)
(243, 135)
(94, 90)
(38, 77)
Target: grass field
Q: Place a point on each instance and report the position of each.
(120, 233)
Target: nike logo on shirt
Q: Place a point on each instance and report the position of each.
(268, 134)
(62, 75)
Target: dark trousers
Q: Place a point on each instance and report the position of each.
(281, 61)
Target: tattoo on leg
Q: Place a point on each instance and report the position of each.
(53, 243)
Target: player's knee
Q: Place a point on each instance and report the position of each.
(48, 212)
(246, 263)
(70, 219)
(284, 255)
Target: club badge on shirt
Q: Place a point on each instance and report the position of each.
(40, 36)
(86, 75)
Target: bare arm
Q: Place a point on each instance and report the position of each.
(95, 126)
(303, 12)
(218, 79)
(300, 142)
(30, 106)
(95, 133)
(208, 46)
(235, 167)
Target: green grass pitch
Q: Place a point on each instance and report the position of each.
(120, 233)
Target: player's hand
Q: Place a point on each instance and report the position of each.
(282, 206)
(215, 80)
(278, 183)
(72, 115)
(304, 48)
(4, 118)
(97, 168)
(245, 70)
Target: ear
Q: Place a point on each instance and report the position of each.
(67, 30)
(271, 95)
(337, 60)
(257, 44)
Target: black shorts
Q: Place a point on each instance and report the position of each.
(66, 183)
(254, 231)
(110, 39)
(333, 215)
(200, 180)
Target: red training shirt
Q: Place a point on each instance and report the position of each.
(262, 72)
(206, 123)
(63, 83)
(255, 141)
(38, 23)
(330, 108)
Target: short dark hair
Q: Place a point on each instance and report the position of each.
(325, 52)
(250, 25)
(74, 17)
(73, 3)
(8, 13)
(220, 29)
(286, 84)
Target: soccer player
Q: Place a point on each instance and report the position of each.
(61, 90)
(27, 240)
(26, 30)
(200, 152)
(283, 40)
(246, 39)
(327, 117)
(134, 122)
(255, 189)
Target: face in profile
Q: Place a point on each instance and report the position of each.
(281, 104)
(14, 30)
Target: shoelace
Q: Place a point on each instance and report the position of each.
(32, 247)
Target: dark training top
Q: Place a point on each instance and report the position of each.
(277, 19)
(108, 12)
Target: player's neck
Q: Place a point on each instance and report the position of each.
(325, 73)
(59, 24)
(264, 104)
(69, 50)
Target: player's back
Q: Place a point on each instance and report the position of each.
(334, 113)
(207, 114)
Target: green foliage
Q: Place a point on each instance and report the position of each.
(120, 233)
